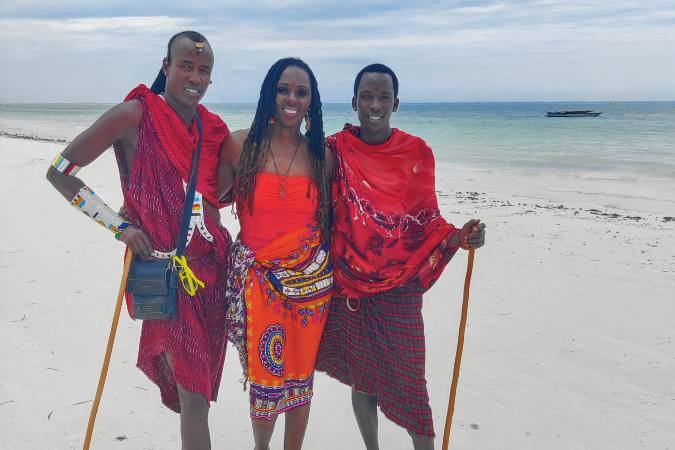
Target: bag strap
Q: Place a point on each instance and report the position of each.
(190, 191)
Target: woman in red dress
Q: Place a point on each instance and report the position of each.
(280, 278)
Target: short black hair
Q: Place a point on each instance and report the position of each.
(192, 35)
(378, 68)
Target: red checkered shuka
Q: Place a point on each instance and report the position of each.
(379, 350)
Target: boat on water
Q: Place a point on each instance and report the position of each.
(578, 113)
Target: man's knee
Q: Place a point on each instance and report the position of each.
(365, 406)
(192, 402)
(361, 398)
(421, 442)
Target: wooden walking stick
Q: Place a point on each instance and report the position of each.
(108, 351)
(458, 354)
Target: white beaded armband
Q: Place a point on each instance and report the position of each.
(91, 205)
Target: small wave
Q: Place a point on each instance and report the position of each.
(32, 137)
(613, 194)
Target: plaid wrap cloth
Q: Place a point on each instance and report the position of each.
(379, 350)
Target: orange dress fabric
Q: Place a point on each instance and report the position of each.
(279, 288)
(272, 216)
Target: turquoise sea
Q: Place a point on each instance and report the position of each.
(629, 138)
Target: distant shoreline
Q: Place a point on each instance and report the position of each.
(348, 102)
(32, 137)
(631, 147)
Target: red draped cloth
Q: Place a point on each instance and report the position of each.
(179, 141)
(387, 228)
(153, 197)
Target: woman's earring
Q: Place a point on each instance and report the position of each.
(308, 123)
(272, 120)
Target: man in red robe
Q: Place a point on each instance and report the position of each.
(154, 134)
(389, 245)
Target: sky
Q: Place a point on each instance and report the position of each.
(445, 50)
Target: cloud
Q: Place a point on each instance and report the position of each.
(105, 33)
(489, 50)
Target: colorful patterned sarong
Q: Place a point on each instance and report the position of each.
(279, 298)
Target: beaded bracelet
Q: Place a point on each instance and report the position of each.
(120, 228)
(64, 166)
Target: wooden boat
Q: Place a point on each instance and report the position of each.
(577, 113)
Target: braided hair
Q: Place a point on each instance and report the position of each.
(260, 137)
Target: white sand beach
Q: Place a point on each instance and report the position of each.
(570, 341)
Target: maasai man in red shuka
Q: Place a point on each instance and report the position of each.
(154, 135)
(389, 245)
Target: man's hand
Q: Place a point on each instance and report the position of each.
(472, 234)
(136, 240)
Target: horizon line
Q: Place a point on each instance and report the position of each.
(424, 102)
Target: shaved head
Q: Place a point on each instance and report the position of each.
(188, 40)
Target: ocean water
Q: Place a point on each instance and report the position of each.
(634, 140)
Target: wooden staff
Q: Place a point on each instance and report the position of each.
(458, 354)
(108, 351)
